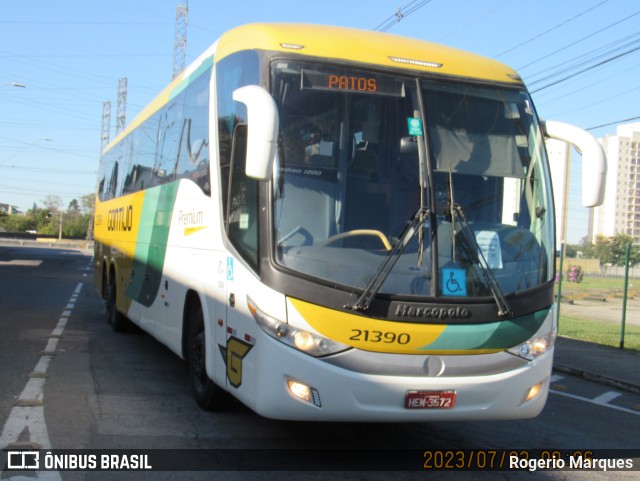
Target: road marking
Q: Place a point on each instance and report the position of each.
(26, 424)
(606, 397)
(556, 378)
(592, 401)
(21, 263)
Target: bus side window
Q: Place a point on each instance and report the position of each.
(239, 193)
(168, 143)
(242, 202)
(193, 155)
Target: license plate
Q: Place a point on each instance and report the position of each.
(429, 399)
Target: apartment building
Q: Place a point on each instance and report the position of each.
(620, 212)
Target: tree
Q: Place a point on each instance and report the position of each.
(75, 222)
(88, 203)
(571, 250)
(619, 248)
(18, 223)
(53, 203)
(46, 221)
(612, 250)
(74, 207)
(587, 248)
(600, 249)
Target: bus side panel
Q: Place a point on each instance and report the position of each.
(117, 225)
(241, 348)
(191, 262)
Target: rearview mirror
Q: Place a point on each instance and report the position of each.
(594, 160)
(262, 130)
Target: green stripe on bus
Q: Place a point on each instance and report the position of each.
(494, 335)
(151, 246)
(206, 64)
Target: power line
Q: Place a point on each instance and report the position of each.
(49, 171)
(599, 64)
(583, 107)
(603, 51)
(561, 24)
(579, 40)
(473, 20)
(401, 13)
(598, 82)
(613, 123)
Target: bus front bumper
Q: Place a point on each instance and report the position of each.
(329, 393)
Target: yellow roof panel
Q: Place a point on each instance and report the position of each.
(349, 44)
(364, 46)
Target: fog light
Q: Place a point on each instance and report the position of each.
(533, 392)
(303, 392)
(299, 390)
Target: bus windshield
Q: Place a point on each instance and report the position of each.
(348, 180)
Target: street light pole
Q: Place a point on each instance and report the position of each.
(13, 84)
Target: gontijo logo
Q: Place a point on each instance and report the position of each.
(120, 219)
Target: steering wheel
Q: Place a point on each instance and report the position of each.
(359, 232)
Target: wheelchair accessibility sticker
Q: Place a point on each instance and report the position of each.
(229, 268)
(454, 282)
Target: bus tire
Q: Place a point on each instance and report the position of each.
(117, 320)
(208, 395)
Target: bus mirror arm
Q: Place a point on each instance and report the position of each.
(594, 160)
(262, 130)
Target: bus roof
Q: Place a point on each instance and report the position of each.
(338, 43)
(364, 46)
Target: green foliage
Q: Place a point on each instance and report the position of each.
(571, 250)
(48, 220)
(611, 250)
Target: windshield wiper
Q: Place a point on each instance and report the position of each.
(415, 225)
(504, 310)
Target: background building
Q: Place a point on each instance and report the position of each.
(620, 212)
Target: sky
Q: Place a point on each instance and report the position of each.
(579, 58)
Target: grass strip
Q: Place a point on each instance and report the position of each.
(606, 333)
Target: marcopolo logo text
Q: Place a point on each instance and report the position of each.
(418, 312)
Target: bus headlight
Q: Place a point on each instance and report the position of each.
(302, 340)
(536, 346)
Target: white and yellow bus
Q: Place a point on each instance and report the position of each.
(335, 224)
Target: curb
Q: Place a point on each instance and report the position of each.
(599, 378)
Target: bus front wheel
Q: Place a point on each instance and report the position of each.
(209, 396)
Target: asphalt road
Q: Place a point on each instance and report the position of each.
(102, 390)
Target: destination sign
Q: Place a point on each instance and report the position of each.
(343, 80)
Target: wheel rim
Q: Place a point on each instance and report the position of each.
(198, 369)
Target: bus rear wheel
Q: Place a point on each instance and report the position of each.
(208, 395)
(118, 322)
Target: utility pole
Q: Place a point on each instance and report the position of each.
(180, 40)
(121, 109)
(106, 125)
